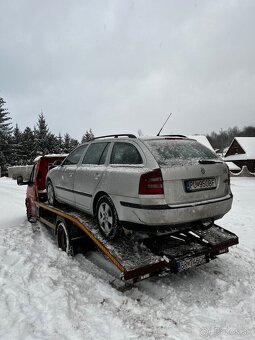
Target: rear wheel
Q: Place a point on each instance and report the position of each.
(63, 238)
(51, 194)
(107, 218)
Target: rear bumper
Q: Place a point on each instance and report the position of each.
(169, 215)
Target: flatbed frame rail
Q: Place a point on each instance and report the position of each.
(137, 258)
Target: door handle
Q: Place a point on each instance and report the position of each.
(97, 176)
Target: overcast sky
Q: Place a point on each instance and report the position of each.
(119, 66)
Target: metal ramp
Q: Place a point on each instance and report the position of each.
(137, 258)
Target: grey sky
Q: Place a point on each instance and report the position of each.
(120, 65)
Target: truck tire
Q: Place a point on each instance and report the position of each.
(107, 218)
(51, 194)
(63, 238)
(29, 213)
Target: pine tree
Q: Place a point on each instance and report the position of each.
(60, 144)
(69, 143)
(42, 135)
(17, 154)
(87, 136)
(5, 135)
(28, 146)
(53, 144)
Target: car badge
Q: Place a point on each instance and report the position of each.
(203, 171)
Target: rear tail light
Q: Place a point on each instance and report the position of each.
(151, 183)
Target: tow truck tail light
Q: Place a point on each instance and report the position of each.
(151, 183)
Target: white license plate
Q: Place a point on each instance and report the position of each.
(200, 184)
(190, 262)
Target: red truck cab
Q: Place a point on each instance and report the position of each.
(36, 186)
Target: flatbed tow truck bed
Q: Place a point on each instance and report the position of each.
(138, 259)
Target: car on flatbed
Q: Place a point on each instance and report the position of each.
(148, 184)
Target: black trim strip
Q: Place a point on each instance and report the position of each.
(74, 191)
(167, 207)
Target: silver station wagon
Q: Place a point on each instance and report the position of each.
(148, 184)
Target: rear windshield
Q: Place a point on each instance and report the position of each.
(178, 152)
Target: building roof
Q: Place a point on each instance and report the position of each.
(248, 146)
(202, 140)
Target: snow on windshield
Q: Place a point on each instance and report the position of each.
(178, 152)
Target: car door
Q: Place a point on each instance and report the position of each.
(64, 181)
(89, 174)
(126, 165)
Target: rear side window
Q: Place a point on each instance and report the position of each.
(75, 156)
(125, 153)
(178, 152)
(96, 153)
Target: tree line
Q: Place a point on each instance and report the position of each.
(223, 139)
(21, 147)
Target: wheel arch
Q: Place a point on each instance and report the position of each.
(96, 198)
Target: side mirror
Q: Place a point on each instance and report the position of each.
(21, 182)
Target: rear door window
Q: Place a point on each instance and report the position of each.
(125, 153)
(96, 153)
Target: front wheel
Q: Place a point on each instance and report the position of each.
(107, 218)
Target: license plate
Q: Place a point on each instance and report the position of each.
(200, 184)
(190, 262)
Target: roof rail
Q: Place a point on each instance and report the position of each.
(117, 136)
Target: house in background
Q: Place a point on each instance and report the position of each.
(242, 152)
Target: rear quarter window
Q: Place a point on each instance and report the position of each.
(178, 152)
(125, 153)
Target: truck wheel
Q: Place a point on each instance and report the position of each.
(107, 218)
(51, 194)
(29, 213)
(63, 238)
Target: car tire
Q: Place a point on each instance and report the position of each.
(107, 218)
(51, 194)
(63, 238)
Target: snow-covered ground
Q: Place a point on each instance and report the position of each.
(44, 294)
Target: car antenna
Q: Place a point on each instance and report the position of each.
(164, 124)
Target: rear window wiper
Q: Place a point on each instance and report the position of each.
(209, 161)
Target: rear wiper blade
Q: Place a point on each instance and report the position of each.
(209, 161)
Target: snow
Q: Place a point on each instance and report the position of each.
(64, 155)
(237, 157)
(47, 295)
(232, 166)
(248, 145)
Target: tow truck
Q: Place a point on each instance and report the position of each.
(137, 256)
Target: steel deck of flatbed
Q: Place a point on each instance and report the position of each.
(140, 258)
